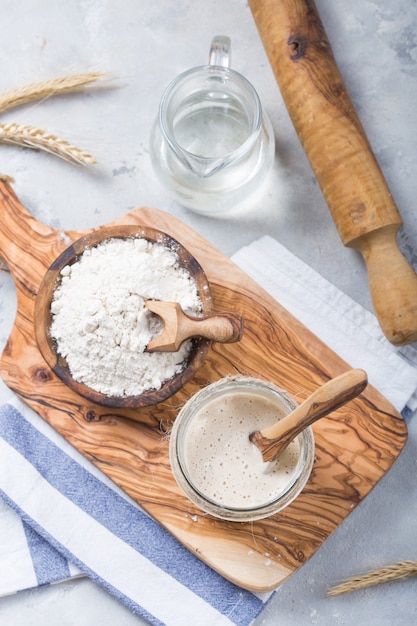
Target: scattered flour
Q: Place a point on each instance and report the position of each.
(99, 321)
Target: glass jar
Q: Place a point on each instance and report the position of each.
(219, 469)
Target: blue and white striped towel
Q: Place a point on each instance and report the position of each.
(73, 515)
(60, 517)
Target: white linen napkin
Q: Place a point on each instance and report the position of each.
(346, 327)
(61, 517)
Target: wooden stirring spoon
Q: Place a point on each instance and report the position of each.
(273, 440)
(223, 327)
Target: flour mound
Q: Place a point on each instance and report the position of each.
(99, 321)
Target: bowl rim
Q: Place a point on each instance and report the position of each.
(42, 316)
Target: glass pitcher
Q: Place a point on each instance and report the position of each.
(211, 144)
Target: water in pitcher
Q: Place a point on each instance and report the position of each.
(211, 127)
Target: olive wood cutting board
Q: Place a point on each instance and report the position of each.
(355, 446)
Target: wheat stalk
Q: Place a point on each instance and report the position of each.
(32, 137)
(53, 87)
(401, 570)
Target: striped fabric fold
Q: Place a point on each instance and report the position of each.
(72, 516)
(342, 324)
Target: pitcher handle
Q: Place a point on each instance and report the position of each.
(220, 51)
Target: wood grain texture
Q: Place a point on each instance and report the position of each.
(354, 447)
(340, 155)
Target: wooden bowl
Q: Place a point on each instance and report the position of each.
(47, 344)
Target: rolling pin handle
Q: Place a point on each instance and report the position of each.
(392, 285)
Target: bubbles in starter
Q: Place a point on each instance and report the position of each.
(222, 462)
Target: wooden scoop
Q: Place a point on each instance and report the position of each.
(223, 327)
(273, 440)
(340, 155)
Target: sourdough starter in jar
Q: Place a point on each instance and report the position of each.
(216, 464)
(228, 468)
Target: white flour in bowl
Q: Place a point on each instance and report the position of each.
(99, 321)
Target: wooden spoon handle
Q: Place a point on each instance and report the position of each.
(339, 152)
(223, 327)
(327, 398)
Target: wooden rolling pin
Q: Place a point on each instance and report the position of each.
(340, 156)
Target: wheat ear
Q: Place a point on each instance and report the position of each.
(401, 570)
(53, 87)
(31, 137)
